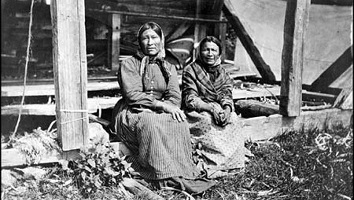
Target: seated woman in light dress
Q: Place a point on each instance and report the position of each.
(207, 100)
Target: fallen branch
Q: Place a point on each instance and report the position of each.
(138, 189)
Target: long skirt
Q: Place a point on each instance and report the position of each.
(217, 148)
(161, 146)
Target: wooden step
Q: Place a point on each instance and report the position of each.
(93, 105)
(15, 158)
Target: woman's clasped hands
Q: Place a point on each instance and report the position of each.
(221, 116)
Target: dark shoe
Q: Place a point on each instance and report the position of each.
(192, 186)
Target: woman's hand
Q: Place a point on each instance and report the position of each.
(222, 117)
(225, 117)
(176, 113)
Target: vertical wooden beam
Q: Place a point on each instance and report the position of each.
(221, 28)
(296, 20)
(263, 68)
(222, 36)
(114, 41)
(70, 72)
(199, 29)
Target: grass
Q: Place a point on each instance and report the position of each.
(295, 165)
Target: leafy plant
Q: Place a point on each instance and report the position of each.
(36, 144)
(99, 166)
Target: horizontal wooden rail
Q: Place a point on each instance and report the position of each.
(155, 15)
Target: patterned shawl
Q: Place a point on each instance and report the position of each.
(198, 86)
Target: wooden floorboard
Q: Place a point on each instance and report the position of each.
(94, 105)
(48, 89)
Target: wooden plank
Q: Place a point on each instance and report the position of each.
(296, 20)
(199, 29)
(263, 68)
(254, 108)
(334, 71)
(48, 89)
(15, 158)
(319, 97)
(178, 32)
(94, 105)
(344, 99)
(149, 15)
(264, 128)
(115, 22)
(256, 92)
(221, 30)
(70, 72)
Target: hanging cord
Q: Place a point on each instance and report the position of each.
(12, 136)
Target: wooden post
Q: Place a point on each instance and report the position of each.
(70, 72)
(199, 29)
(114, 41)
(296, 20)
(223, 30)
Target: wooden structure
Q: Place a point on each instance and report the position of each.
(70, 72)
(186, 19)
(296, 19)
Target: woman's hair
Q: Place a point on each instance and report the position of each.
(211, 39)
(150, 25)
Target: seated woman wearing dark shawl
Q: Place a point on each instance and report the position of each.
(148, 119)
(207, 100)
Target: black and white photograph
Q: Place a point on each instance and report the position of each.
(177, 99)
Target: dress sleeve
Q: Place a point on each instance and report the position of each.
(131, 85)
(226, 98)
(173, 92)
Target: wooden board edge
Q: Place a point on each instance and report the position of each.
(15, 158)
(264, 128)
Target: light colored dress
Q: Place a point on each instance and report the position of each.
(219, 148)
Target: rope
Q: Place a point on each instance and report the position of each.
(25, 75)
(72, 111)
(67, 110)
(74, 120)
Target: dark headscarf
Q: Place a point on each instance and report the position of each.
(159, 58)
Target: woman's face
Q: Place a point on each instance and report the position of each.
(210, 53)
(150, 42)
